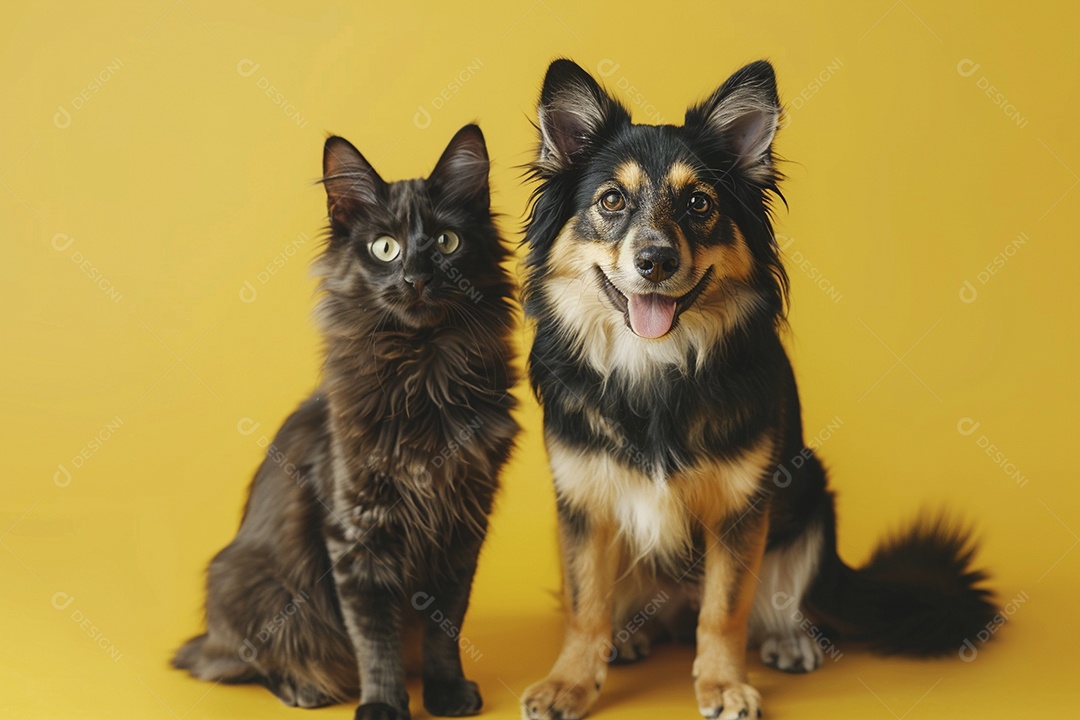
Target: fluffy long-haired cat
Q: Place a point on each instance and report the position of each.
(366, 517)
(672, 417)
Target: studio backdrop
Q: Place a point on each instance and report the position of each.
(160, 215)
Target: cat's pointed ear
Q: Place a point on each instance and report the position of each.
(349, 179)
(462, 171)
(745, 111)
(573, 111)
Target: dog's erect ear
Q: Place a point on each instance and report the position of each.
(462, 171)
(349, 179)
(745, 110)
(574, 109)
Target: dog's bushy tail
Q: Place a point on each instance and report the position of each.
(918, 594)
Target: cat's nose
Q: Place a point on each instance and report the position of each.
(418, 280)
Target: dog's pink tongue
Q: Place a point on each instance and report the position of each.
(651, 315)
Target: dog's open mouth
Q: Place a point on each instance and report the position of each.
(652, 315)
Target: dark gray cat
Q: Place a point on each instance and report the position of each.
(377, 490)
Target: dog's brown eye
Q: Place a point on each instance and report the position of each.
(699, 203)
(613, 201)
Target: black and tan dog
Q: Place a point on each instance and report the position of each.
(671, 416)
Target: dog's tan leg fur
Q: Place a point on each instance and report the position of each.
(573, 685)
(727, 596)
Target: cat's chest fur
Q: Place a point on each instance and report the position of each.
(420, 423)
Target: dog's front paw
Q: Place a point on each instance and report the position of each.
(796, 654)
(379, 711)
(727, 701)
(558, 699)
(452, 698)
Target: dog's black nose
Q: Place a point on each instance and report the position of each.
(657, 263)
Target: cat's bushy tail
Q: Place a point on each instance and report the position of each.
(200, 657)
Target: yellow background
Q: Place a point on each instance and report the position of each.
(179, 180)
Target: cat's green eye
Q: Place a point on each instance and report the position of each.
(448, 241)
(384, 248)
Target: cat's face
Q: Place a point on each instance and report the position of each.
(419, 252)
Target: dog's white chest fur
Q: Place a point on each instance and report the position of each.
(656, 515)
(649, 515)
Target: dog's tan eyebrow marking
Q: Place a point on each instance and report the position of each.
(631, 176)
(681, 175)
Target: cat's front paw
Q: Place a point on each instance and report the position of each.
(452, 698)
(558, 699)
(727, 701)
(379, 711)
(296, 694)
